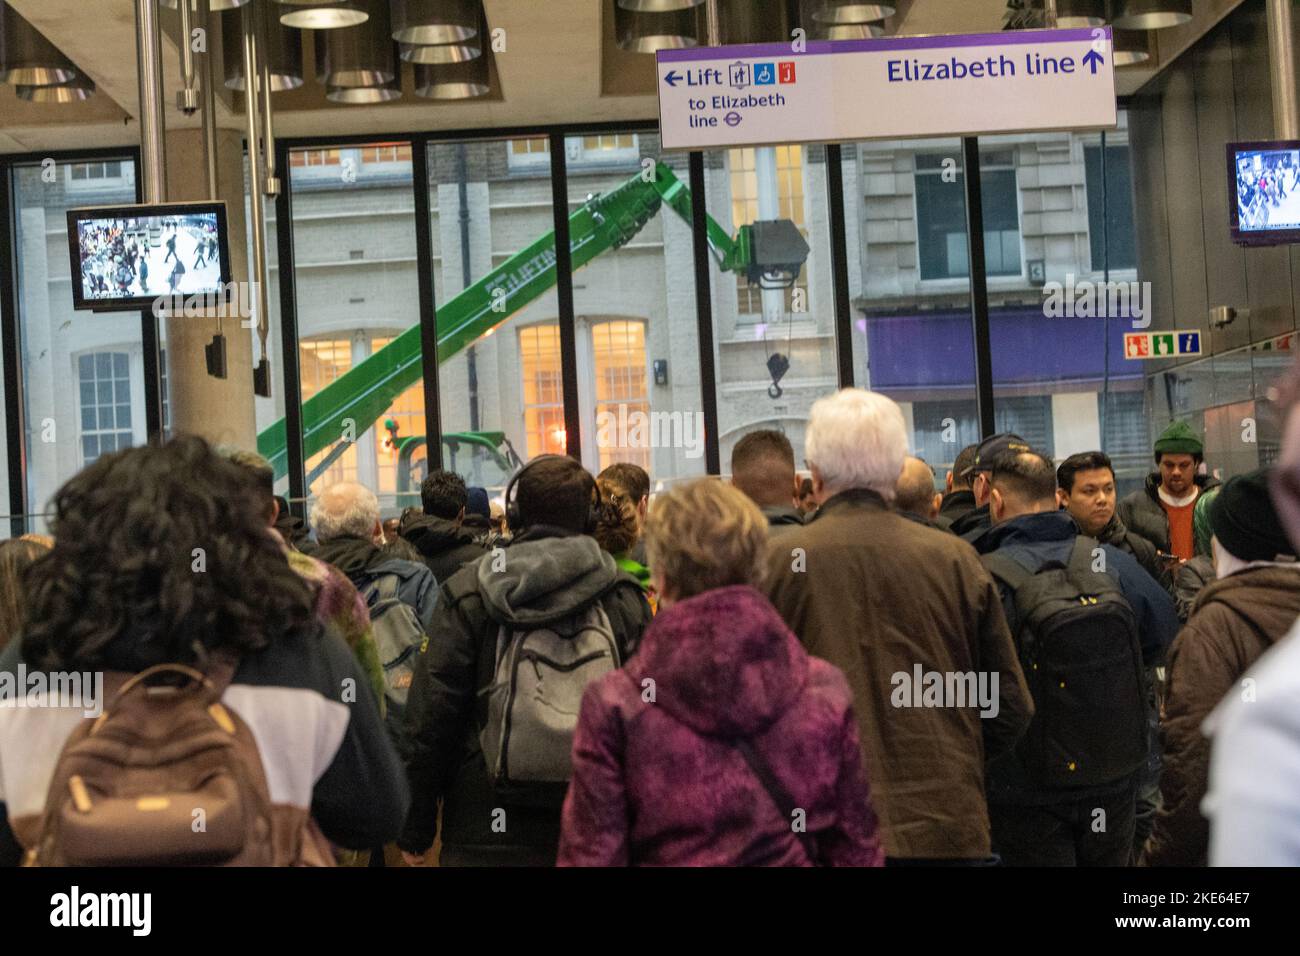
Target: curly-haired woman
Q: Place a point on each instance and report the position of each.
(619, 530)
(158, 559)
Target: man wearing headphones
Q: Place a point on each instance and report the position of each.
(552, 573)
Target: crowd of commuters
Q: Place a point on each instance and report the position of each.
(851, 668)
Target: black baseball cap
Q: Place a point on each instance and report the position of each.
(993, 446)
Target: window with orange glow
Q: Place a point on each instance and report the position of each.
(539, 358)
(609, 142)
(618, 349)
(407, 412)
(524, 147)
(386, 153)
(314, 157)
(322, 361)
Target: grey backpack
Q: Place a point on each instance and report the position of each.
(400, 638)
(534, 698)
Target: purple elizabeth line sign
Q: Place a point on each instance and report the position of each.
(887, 88)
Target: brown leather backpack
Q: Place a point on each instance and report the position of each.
(168, 776)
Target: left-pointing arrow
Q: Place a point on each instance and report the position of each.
(673, 78)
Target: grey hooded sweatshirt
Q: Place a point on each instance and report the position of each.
(543, 577)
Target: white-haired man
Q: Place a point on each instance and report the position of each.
(351, 537)
(917, 626)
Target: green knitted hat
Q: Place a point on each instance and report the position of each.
(1178, 439)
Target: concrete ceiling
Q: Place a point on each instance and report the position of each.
(925, 17)
(551, 71)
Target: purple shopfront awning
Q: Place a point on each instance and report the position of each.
(936, 350)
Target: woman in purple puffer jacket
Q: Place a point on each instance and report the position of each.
(721, 742)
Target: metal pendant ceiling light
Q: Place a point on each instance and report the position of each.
(1131, 47)
(453, 81)
(26, 57)
(1152, 14)
(440, 52)
(282, 46)
(362, 95)
(436, 21)
(73, 91)
(363, 55)
(1073, 14)
(648, 32)
(658, 6)
(322, 14)
(213, 5)
(825, 30)
(847, 11)
(457, 52)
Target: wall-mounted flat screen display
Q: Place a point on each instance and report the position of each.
(1264, 180)
(124, 258)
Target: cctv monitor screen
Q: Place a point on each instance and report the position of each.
(1265, 192)
(124, 258)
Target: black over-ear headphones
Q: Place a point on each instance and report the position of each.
(513, 519)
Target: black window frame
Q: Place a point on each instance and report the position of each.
(974, 219)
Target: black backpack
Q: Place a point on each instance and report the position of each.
(1078, 642)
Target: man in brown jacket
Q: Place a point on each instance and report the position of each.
(916, 625)
(1249, 607)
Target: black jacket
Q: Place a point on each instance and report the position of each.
(1143, 514)
(545, 576)
(1189, 580)
(482, 531)
(443, 545)
(293, 529)
(928, 522)
(972, 524)
(363, 561)
(955, 504)
(781, 518)
(1033, 541)
(1143, 551)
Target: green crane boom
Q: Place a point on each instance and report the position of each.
(353, 402)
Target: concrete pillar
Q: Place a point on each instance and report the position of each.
(220, 410)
